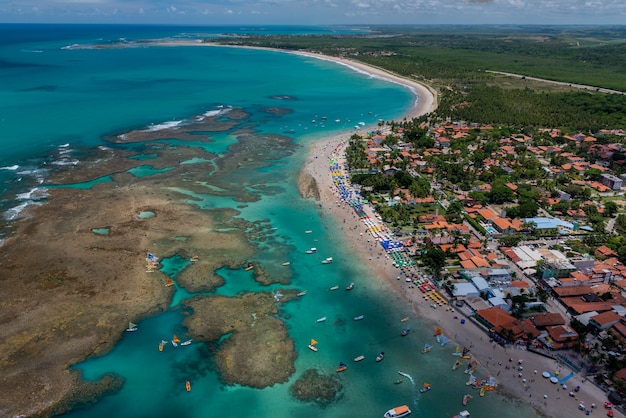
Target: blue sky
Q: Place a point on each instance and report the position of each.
(315, 12)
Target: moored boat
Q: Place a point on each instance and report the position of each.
(162, 344)
(169, 282)
(322, 319)
(406, 318)
(175, 340)
(327, 260)
(186, 342)
(188, 386)
(286, 263)
(466, 398)
(302, 293)
(405, 332)
(341, 368)
(463, 414)
(350, 286)
(359, 358)
(358, 318)
(426, 387)
(426, 348)
(334, 288)
(381, 356)
(131, 327)
(313, 344)
(398, 412)
(250, 266)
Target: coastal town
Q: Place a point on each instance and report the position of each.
(516, 233)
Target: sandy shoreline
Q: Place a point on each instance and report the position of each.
(551, 400)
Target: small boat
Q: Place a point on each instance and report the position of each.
(188, 386)
(169, 282)
(359, 358)
(327, 260)
(301, 293)
(381, 356)
(425, 388)
(194, 258)
(186, 342)
(341, 368)
(456, 365)
(131, 327)
(405, 332)
(426, 348)
(175, 340)
(398, 412)
(162, 344)
(286, 263)
(322, 319)
(311, 250)
(466, 398)
(397, 382)
(250, 266)
(358, 318)
(313, 344)
(350, 286)
(463, 414)
(404, 319)
(308, 231)
(334, 288)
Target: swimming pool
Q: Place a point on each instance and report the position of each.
(491, 230)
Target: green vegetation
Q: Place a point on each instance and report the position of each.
(458, 61)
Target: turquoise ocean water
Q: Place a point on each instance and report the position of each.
(57, 104)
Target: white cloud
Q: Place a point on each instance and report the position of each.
(323, 11)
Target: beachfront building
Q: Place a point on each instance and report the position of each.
(559, 337)
(506, 325)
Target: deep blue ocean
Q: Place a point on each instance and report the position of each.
(59, 98)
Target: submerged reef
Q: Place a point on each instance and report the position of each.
(317, 387)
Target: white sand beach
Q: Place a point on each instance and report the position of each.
(552, 400)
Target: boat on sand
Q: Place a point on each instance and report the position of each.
(398, 412)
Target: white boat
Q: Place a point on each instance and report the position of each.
(301, 293)
(286, 263)
(308, 231)
(381, 356)
(313, 344)
(358, 318)
(322, 319)
(311, 250)
(334, 288)
(359, 358)
(463, 414)
(131, 327)
(350, 286)
(398, 412)
(328, 260)
(186, 342)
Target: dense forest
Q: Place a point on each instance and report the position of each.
(458, 61)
